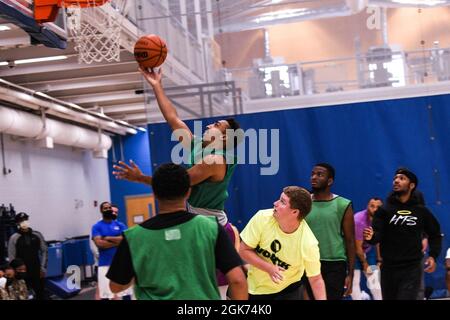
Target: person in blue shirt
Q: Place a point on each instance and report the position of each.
(107, 235)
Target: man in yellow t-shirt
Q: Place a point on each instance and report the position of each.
(280, 248)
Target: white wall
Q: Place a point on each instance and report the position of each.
(56, 187)
(330, 38)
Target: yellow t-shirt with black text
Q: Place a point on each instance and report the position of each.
(296, 252)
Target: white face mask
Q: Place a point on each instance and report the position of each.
(24, 224)
(2, 282)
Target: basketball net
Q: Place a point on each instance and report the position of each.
(96, 30)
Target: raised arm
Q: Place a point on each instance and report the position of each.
(167, 109)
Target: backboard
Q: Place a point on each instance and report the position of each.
(20, 13)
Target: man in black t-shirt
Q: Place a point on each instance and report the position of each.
(174, 255)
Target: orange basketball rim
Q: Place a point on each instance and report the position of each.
(47, 10)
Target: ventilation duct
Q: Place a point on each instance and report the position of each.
(24, 98)
(409, 3)
(345, 9)
(27, 125)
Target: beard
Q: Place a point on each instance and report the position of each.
(108, 215)
(399, 193)
(318, 189)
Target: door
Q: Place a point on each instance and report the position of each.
(139, 208)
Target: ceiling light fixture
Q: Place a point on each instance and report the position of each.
(429, 3)
(43, 59)
(32, 60)
(282, 14)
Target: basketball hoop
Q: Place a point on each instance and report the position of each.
(96, 30)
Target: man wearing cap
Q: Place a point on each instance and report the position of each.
(398, 227)
(30, 246)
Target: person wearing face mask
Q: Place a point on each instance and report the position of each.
(30, 246)
(19, 290)
(107, 235)
(13, 287)
(20, 269)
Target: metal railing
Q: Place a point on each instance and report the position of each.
(380, 67)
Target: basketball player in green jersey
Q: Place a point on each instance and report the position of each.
(209, 171)
(331, 220)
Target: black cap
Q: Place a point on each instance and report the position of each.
(21, 216)
(411, 176)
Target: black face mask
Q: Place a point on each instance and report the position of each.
(108, 214)
(21, 275)
(9, 282)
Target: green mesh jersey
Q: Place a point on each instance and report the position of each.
(180, 262)
(209, 195)
(325, 221)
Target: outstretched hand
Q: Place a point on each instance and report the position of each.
(129, 172)
(276, 273)
(152, 77)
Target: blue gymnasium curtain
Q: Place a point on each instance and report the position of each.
(135, 147)
(365, 142)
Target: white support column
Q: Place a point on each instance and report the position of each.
(384, 26)
(165, 24)
(198, 21)
(165, 4)
(183, 12)
(209, 18)
(207, 49)
(184, 23)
